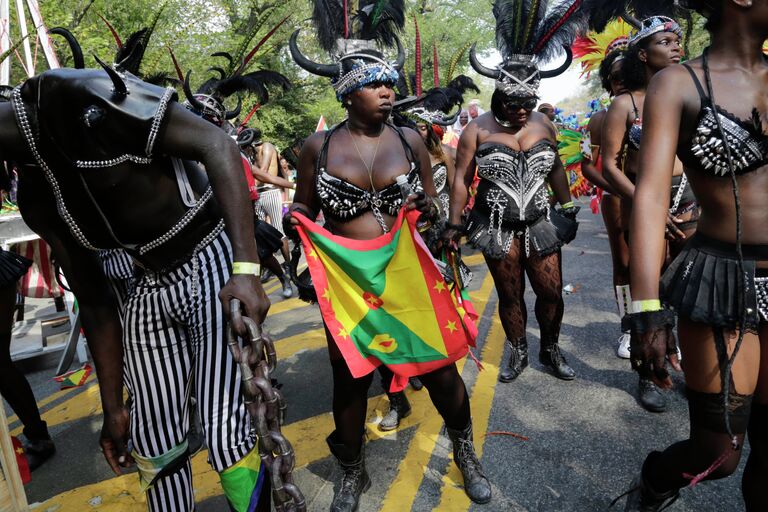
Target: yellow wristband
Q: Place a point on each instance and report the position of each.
(246, 267)
(643, 306)
(567, 205)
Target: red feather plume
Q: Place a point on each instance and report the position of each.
(418, 58)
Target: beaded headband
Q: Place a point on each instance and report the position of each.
(375, 70)
(211, 107)
(654, 25)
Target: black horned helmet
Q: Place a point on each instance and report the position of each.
(353, 41)
(529, 32)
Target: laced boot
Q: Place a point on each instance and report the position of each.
(355, 480)
(416, 383)
(651, 397)
(285, 281)
(38, 452)
(518, 360)
(642, 498)
(476, 485)
(551, 357)
(399, 408)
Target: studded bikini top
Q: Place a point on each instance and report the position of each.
(440, 177)
(635, 135)
(342, 201)
(745, 138)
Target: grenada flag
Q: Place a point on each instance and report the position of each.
(386, 302)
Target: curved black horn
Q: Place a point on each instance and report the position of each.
(231, 114)
(74, 46)
(220, 71)
(119, 87)
(473, 60)
(315, 68)
(400, 61)
(549, 73)
(632, 20)
(191, 97)
(450, 120)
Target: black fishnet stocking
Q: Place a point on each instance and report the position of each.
(545, 274)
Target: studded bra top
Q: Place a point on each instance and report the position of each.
(745, 138)
(342, 201)
(440, 177)
(515, 181)
(635, 135)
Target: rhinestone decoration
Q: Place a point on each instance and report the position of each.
(746, 150)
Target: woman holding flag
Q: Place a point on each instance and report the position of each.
(382, 298)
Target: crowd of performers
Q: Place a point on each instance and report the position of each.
(157, 213)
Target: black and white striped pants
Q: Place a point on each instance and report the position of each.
(119, 269)
(175, 338)
(270, 204)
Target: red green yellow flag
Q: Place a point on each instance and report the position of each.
(385, 301)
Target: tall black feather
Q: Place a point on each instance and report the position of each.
(565, 20)
(255, 82)
(129, 57)
(328, 17)
(512, 19)
(379, 20)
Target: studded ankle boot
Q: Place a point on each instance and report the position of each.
(518, 360)
(355, 480)
(399, 408)
(476, 485)
(551, 357)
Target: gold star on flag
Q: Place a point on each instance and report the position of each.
(326, 295)
(312, 254)
(439, 286)
(20, 450)
(451, 326)
(343, 333)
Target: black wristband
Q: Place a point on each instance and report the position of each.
(639, 323)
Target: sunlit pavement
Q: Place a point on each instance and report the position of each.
(585, 440)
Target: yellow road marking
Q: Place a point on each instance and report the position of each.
(402, 493)
(55, 396)
(453, 496)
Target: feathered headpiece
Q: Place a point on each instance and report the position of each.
(353, 40)
(569, 149)
(434, 106)
(530, 32)
(130, 54)
(208, 101)
(590, 50)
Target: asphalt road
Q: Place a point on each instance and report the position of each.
(586, 439)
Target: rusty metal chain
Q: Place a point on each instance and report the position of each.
(266, 407)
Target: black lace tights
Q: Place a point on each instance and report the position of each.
(350, 398)
(545, 275)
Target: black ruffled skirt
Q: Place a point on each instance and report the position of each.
(702, 284)
(496, 240)
(12, 267)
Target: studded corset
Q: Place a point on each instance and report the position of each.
(745, 138)
(635, 134)
(440, 177)
(514, 182)
(342, 201)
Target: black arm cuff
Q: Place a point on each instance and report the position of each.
(639, 323)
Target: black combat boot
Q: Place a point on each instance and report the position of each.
(551, 357)
(518, 360)
(642, 498)
(476, 485)
(399, 408)
(355, 480)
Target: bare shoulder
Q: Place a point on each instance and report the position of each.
(313, 143)
(674, 81)
(413, 138)
(596, 120)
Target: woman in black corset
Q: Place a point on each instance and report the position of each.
(515, 151)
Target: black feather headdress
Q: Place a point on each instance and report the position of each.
(354, 40)
(529, 33)
(435, 106)
(208, 101)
